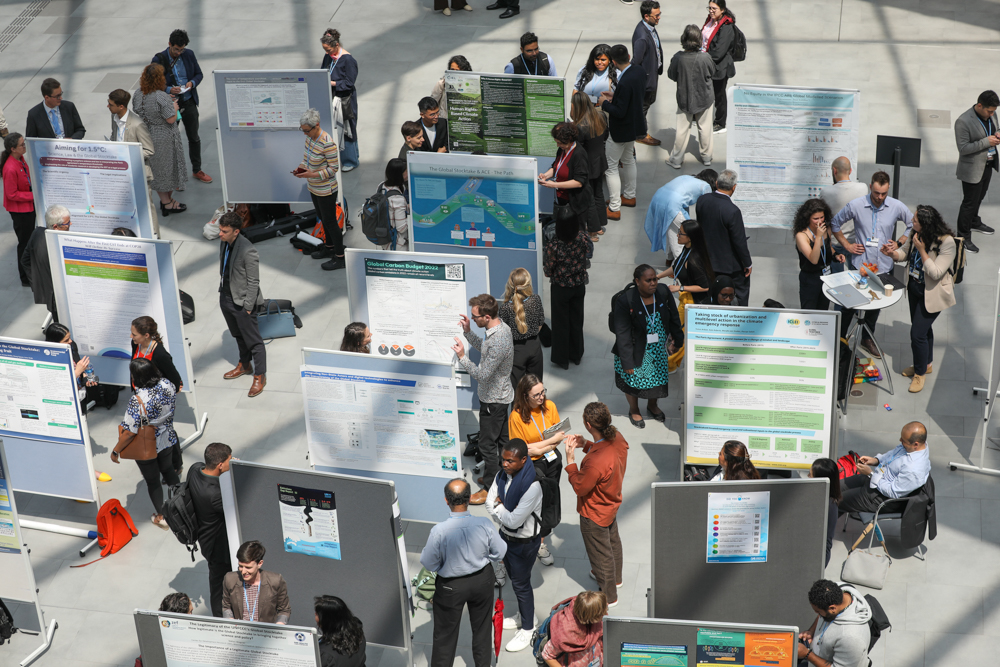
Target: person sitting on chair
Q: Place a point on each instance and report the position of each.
(895, 474)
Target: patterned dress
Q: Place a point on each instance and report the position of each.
(650, 379)
(159, 401)
(168, 163)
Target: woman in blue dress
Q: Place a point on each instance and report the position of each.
(343, 69)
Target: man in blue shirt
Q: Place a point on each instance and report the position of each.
(180, 66)
(875, 217)
(669, 208)
(461, 551)
(895, 474)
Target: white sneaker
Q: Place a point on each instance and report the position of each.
(521, 640)
(510, 623)
(594, 577)
(673, 164)
(612, 604)
(447, 12)
(544, 555)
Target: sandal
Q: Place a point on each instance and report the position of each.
(601, 231)
(162, 523)
(595, 238)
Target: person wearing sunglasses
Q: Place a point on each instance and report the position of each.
(319, 166)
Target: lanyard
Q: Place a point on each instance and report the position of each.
(917, 262)
(225, 262)
(333, 63)
(822, 252)
(681, 262)
(987, 125)
(246, 602)
(523, 62)
(650, 318)
(565, 157)
(541, 433)
(884, 466)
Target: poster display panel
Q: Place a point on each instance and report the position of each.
(309, 521)
(102, 183)
(191, 642)
(764, 377)
(781, 142)
(38, 385)
(10, 532)
(745, 649)
(737, 527)
(266, 102)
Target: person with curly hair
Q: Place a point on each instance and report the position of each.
(569, 176)
(159, 112)
(597, 75)
(342, 635)
(813, 243)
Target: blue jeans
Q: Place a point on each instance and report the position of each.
(349, 154)
(519, 560)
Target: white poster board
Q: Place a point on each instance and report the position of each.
(767, 378)
(781, 141)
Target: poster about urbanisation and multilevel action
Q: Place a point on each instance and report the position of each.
(765, 378)
(781, 141)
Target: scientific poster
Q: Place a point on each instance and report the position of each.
(101, 183)
(745, 649)
(764, 378)
(505, 114)
(737, 527)
(653, 655)
(39, 392)
(109, 283)
(309, 521)
(271, 103)
(194, 643)
(781, 141)
(10, 540)
(388, 422)
(414, 308)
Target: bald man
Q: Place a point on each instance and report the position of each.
(895, 474)
(842, 191)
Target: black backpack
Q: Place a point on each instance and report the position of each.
(376, 224)
(878, 622)
(611, 313)
(739, 48)
(178, 512)
(6, 624)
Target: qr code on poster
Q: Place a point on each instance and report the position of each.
(454, 271)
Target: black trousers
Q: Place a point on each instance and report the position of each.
(450, 596)
(218, 566)
(519, 560)
(527, 359)
(811, 295)
(921, 328)
(859, 496)
(326, 207)
(493, 434)
(567, 323)
(243, 328)
(972, 196)
(151, 470)
(189, 118)
(648, 99)
(721, 110)
(741, 285)
(600, 203)
(24, 224)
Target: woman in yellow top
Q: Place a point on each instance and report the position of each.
(531, 416)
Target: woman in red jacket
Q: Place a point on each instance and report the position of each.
(17, 196)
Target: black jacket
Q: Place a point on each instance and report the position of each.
(35, 261)
(38, 124)
(725, 236)
(630, 323)
(440, 139)
(164, 363)
(596, 153)
(626, 121)
(719, 48)
(206, 494)
(919, 516)
(580, 199)
(645, 53)
(191, 68)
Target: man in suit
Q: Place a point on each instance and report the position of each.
(433, 127)
(128, 127)
(725, 236)
(239, 296)
(977, 136)
(35, 259)
(54, 117)
(250, 593)
(648, 54)
(626, 124)
(183, 78)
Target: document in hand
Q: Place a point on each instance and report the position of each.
(552, 430)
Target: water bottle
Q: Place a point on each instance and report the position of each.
(90, 376)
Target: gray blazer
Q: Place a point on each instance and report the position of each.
(244, 272)
(970, 137)
(136, 132)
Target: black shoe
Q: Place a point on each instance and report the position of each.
(638, 423)
(496, 5)
(510, 12)
(564, 365)
(167, 211)
(658, 416)
(970, 246)
(334, 264)
(983, 229)
(325, 252)
(718, 129)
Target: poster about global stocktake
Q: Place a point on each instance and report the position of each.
(309, 521)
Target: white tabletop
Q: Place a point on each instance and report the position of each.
(874, 304)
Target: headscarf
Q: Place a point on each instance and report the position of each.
(721, 282)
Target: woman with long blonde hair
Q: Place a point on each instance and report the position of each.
(523, 312)
(593, 127)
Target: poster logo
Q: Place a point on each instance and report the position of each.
(794, 322)
(165, 623)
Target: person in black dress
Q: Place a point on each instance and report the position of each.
(813, 244)
(565, 264)
(569, 176)
(523, 312)
(342, 636)
(593, 137)
(692, 269)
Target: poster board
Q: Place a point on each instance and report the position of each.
(182, 640)
(407, 297)
(684, 583)
(367, 576)
(765, 377)
(630, 642)
(781, 142)
(44, 433)
(102, 283)
(478, 205)
(387, 418)
(102, 183)
(259, 138)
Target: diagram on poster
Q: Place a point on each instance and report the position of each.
(275, 103)
(10, 540)
(390, 422)
(745, 649)
(414, 308)
(653, 655)
(109, 283)
(194, 643)
(39, 392)
(737, 527)
(309, 521)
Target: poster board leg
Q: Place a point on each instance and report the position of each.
(197, 434)
(53, 624)
(90, 545)
(885, 364)
(47, 321)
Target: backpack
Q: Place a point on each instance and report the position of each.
(611, 313)
(6, 624)
(376, 223)
(115, 529)
(424, 585)
(540, 637)
(878, 622)
(178, 512)
(739, 48)
(957, 269)
(848, 465)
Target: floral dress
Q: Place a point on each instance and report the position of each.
(159, 401)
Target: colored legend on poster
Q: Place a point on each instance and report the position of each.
(737, 527)
(744, 649)
(653, 655)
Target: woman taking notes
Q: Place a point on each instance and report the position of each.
(812, 241)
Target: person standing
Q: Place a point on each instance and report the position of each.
(461, 551)
(725, 235)
(647, 53)
(626, 124)
(692, 70)
(54, 117)
(3, 125)
(239, 296)
(496, 348)
(342, 634)
(843, 191)
(343, 69)
(692, 270)
(598, 486)
(565, 264)
(159, 112)
(510, 7)
(840, 635)
(357, 338)
(593, 136)
(569, 176)
(455, 64)
(816, 253)
(250, 593)
(442, 6)
(432, 126)
(413, 138)
(531, 61)
(18, 199)
(395, 185)
(127, 126)
(206, 497)
(977, 136)
(597, 75)
(718, 34)
(35, 258)
(147, 344)
(319, 166)
(523, 312)
(183, 76)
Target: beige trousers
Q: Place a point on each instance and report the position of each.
(706, 140)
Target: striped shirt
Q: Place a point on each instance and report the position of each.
(321, 157)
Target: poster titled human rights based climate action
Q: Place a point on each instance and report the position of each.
(781, 142)
(765, 378)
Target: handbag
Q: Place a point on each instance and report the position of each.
(865, 567)
(561, 211)
(140, 446)
(274, 322)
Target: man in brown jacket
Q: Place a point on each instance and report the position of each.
(250, 593)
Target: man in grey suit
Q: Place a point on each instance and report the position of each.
(977, 136)
(128, 127)
(239, 296)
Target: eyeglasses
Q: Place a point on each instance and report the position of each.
(539, 395)
(55, 97)
(307, 131)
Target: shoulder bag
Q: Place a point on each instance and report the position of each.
(139, 446)
(866, 567)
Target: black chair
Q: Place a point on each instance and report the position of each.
(897, 509)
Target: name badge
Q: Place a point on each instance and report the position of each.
(652, 338)
(550, 456)
(915, 274)
(872, 242)
(827, 270)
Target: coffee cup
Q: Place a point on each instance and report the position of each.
(888, 290)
